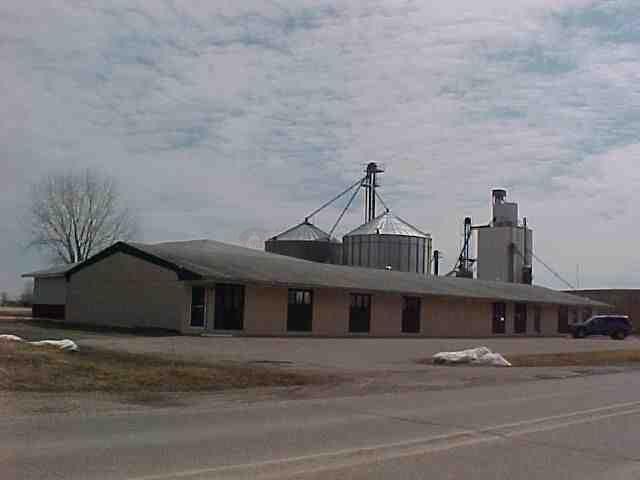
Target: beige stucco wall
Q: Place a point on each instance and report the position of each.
(265, 311)
(330, 312)
(50, 291)
(549, 320)
(123, 290)
(386, 315)
(266, 314)
(443, 317)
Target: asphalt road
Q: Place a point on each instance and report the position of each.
(587, 427)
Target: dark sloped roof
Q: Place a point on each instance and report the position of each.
(387, 224)
(210, 260)
(304, 231)
(57, 271)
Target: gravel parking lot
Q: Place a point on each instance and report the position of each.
(347, 354)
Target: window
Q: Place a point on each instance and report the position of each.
(300, 311)
(537, 319)
(360, 313)
(411, 315)
(198, 307)
(499, 317)
(520, 318)
(563, 320)
(229, 313)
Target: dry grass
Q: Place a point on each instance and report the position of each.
(575, 359)
(37, 369)
(13, 312)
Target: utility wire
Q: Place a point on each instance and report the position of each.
(325, 205)
(344, 210)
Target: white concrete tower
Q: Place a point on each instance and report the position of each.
(505, 246)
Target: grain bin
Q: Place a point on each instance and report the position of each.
(388, 242)
(306, 241)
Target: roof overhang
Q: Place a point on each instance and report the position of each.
(212, 281)
(42, 275)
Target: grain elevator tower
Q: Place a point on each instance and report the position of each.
(505, 246)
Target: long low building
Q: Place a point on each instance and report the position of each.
(206, 286)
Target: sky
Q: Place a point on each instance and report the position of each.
(232, 120)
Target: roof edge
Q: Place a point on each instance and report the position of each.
(56, 271)
(123, 247)
(46, 275)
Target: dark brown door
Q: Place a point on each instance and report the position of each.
(537, 319)
(360, 313)
(411, 315)
(300, 311)
(198, 307)
(563, 320)
(520, 318)
(499, 318)
(229, 313)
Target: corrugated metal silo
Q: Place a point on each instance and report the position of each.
(308, 242)
(387, 241)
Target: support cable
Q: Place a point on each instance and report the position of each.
(553, 272)
(325, 205)
(384, 204)
(344, 210)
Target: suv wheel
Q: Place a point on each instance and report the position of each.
(618, 335)
(580, 333)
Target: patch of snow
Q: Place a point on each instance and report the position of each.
(65, 345)
(11, 338)
(472, 356)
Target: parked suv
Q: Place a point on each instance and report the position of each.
(615, 326)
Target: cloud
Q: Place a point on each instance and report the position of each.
(226, 117)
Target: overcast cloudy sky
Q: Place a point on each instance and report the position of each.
(232, 119)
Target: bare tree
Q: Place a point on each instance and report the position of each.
(73, 215)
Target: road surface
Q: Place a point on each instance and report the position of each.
(582, 428)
